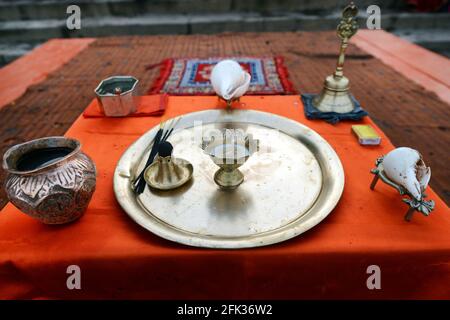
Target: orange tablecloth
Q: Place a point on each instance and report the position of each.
(119, 259)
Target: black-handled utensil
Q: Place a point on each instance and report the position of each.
(140, 181)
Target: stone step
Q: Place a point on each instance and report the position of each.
(437, 40)
(10, 52)
(56, 9)
(41, 30)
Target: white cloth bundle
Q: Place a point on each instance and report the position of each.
(229, 80)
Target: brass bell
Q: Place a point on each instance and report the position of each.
(335, 95)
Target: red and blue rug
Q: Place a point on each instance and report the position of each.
(269, 76)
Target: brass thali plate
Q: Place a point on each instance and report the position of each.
(291, 184)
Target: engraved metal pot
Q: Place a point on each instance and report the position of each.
(50, 179)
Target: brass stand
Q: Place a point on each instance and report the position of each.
(230, 151)
(229, 103)
(335, 96)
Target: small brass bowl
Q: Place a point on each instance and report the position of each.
(167, 173)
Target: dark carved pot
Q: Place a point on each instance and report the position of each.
(50, 179)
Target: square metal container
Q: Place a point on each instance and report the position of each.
(117, 95)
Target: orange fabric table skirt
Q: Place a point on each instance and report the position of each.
(119, 259)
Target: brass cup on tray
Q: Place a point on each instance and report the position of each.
(229, 151)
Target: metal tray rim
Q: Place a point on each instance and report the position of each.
(333, 184)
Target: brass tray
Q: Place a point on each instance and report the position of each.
(291, 184)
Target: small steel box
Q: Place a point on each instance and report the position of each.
(117, 96)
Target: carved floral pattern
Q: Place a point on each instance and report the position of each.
(57, 195)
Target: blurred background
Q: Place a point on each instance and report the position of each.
(24, 24)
